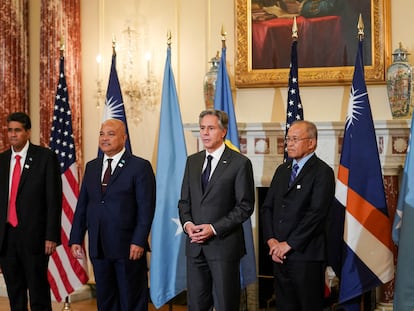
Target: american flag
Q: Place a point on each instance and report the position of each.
(294, 109)
(66, 274)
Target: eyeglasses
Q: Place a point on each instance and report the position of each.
(295, 139)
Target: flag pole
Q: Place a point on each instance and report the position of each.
(66, 305)
(361, 35)
(170, 304)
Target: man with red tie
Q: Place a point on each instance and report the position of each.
(30, 216)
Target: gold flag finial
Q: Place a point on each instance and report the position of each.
(62, 45)
(169, 38)
(294, 29)
(360, 27)
(223, 36)
(113, 45)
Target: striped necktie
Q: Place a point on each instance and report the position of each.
(293, 174)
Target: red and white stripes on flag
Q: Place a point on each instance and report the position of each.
(66, 273)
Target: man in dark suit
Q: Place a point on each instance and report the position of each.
(217, 196)
(30, 215)
(116, 205)
(294, 220)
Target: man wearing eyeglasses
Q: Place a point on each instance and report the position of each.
(294, 220)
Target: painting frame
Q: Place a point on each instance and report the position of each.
(375, 73)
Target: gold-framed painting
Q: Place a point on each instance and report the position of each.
(327, 43)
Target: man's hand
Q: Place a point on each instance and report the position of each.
(135, 252)
(50, 247)
(278, 250)
(199, 233)
(77, 251)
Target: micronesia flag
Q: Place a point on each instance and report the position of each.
(167, 268)
(294, 108)
(367, 257)
(223, 100)
(403, 235)
(114, 104)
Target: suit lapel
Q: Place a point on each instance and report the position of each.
(119, 168)
(198, 164)
(308, 165)
(27, 166)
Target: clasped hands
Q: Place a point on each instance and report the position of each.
(278, 250)
(199, 233)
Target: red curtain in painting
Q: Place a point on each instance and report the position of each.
(14, 78)
(60, 19)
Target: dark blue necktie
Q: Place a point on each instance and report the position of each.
(206, 173)
(293, 174)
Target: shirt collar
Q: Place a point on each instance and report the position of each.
(303, 161)
(22, 152)
(216, 154)
(115, 158)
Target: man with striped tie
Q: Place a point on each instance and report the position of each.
(294, 220)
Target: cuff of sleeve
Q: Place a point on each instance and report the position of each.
(185, 224)
(214, 230)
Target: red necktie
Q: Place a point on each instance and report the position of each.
(13, 192)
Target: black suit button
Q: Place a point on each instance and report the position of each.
(102, 201)
(281, 221)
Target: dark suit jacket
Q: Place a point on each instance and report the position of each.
(227, 202)
(123, 214)
(298, 214)
(39, 198)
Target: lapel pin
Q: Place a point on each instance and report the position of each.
(298, 186)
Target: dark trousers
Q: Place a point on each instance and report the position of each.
(299, 285)
(121, 284)
(24, 272)
(213, 283)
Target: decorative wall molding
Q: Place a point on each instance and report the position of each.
(263, 144)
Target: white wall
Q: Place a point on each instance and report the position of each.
(195, 26)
